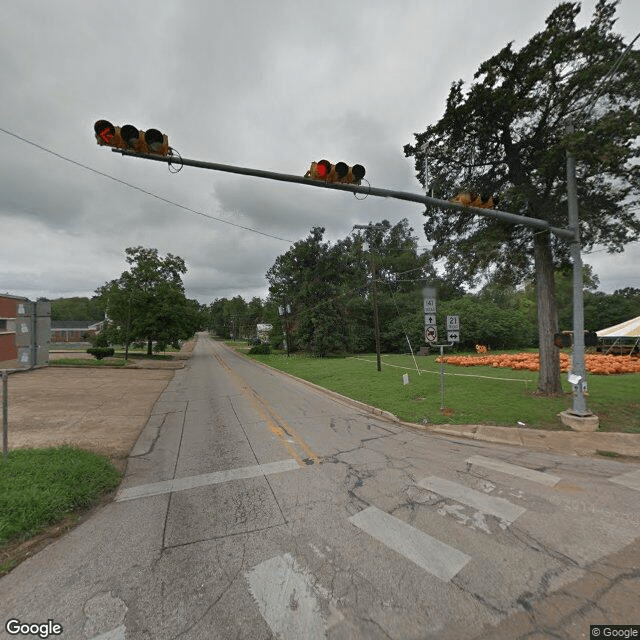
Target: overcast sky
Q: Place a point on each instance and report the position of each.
(268, 85)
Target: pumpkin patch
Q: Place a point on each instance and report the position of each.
(598, 364)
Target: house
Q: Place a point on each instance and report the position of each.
(74, 330)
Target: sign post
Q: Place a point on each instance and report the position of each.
(431, 331)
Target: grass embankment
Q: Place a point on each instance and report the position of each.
(482, 395)
(39, 487)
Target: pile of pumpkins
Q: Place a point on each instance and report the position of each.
(599, 364)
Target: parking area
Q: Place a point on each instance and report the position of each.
(101, 409)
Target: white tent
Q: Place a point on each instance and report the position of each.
(628, 329)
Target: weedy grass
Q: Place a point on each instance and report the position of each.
(41, 486)
(481, 395)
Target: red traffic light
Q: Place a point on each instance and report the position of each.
(323, 169)
(105, 131)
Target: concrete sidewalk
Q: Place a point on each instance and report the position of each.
(571, 442)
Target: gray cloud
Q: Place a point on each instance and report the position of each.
(265, 85)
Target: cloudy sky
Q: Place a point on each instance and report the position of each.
(268, 85)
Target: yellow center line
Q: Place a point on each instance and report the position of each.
(276, 423)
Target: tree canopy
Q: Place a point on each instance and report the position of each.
(148, 303)
(507, 135)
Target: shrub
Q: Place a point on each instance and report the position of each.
(100, 339)
(101, 352)
(260, 349)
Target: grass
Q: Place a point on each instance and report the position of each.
(482, 395)
(87, 362)
(116, 361)
(39, 487)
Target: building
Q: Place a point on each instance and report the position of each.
(74, 330)
(25, 332)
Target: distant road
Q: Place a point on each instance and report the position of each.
(255, 507)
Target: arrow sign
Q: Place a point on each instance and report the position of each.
(429, 319)
(453, 336)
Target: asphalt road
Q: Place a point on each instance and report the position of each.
(255, 507)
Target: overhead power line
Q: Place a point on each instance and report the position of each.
(145, 191)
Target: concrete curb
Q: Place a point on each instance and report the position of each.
(579, 443)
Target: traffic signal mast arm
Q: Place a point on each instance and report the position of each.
(513, 218)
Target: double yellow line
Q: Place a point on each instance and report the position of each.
(285, 433)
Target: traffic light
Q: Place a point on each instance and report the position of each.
(130, 137)
(341, 172)
(470, 199)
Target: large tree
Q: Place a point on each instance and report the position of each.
(148, 303)
(508, 135)
(329, 289)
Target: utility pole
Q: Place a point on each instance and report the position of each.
(285, 311)
(374, 291)
(577, 364)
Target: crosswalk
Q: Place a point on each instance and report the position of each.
(484, 515)
(438, 558)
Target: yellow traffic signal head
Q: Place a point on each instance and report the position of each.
(470, 199)
(130, 137)
(340, 172)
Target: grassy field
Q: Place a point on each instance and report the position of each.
(481, 395)
(41, 486)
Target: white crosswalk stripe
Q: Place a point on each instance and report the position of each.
(498, 507)
(631, 479)
(427, 552)
(514, 470)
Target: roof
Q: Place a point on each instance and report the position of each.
(628, 329)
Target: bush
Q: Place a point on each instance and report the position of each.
(100, 339)
(260, 349)
(101, 352)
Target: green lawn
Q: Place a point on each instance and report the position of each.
(477, 395)
(39, 487)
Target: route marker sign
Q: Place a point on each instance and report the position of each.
(453, 323)
(429, 305)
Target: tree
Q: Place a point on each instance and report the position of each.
(76, 309)
(507, 136)
(329, 289)
(148, 302)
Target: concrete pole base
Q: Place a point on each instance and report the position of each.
(577, 422)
